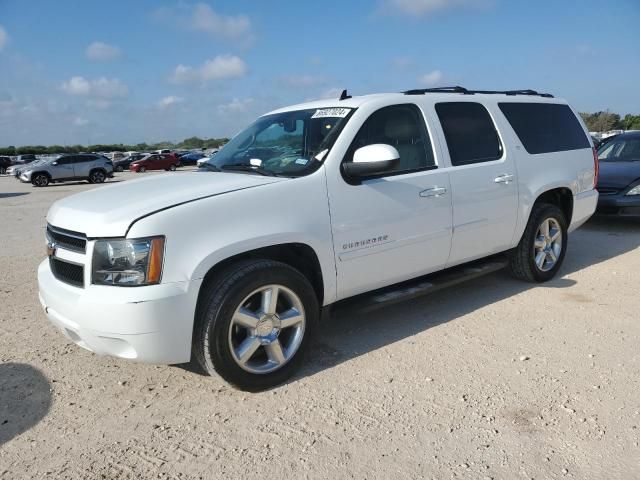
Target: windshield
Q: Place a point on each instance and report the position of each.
(620, 150)
(290, 144)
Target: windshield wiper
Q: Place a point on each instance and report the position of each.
(210, 166)
(245, 167)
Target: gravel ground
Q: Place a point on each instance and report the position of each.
(491, 379)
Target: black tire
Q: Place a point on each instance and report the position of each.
(97, 176)
(172, 168)
(142, 169)
(218, 301)
(40, 180)
(522, 258)
(119, 169)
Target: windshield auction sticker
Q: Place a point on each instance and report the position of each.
(331, 113)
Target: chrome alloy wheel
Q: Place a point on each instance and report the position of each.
(547, 246)
(98, 177)
(266, 329)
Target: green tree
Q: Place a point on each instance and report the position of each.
(631, 122)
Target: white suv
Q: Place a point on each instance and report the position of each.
(229, 266)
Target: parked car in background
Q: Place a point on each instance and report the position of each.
(191, 158)
(114, 156)
(619, 180)
(206, 158)
(155, 161)
(88, 166)
(164, 151)
(5, 162)
(20, 163)
(125, 163)
(310, 205)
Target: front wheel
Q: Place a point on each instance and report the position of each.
(542, 248)
(172, 168)
(40, 180)
(254, 323)
(142, 169)
(119, 169)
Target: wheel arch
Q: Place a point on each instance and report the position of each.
(41, 172)
(560, 195)
(300, 256)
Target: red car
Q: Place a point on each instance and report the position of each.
(155, 161)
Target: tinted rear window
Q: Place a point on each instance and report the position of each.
(545, 127)
(470, 133)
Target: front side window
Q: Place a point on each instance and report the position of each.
(66, 160)
(470, 133)
(402, 127)
(290, 143)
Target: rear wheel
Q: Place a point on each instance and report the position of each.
(142, 169)
(542, 248)
(97, 176)
(254, 324)
(119, 169)
(172, 168)
(40, 180)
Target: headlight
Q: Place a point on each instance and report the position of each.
(634, 191)
(128, 262)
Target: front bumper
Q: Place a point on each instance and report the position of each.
(150, 324)
(619, 204)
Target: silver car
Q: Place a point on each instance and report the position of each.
(91, 167)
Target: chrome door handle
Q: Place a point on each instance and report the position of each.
(506, 178)
(433, 192)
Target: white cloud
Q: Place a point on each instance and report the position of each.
(202, 18)
(166, 102)
(102, 52)
(101, 88)
(4, 37)
(236, 106)
(221, 67)
(428, 7)
(432, 78)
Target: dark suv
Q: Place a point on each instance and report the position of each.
(91, 167)
(5, 162)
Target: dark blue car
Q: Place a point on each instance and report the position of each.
(619, 182)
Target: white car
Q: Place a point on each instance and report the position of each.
(310, 205)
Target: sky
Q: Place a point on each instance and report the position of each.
(117, 71)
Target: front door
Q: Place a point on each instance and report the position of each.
(64, 167)
(483, 182)
(396, 226)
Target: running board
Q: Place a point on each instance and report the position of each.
(421, 286)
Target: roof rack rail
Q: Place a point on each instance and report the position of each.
(464, 91)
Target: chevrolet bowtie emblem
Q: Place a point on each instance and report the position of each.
(51, 249)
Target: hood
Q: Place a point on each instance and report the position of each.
(109, 210)
(618, 175)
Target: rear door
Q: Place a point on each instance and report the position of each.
(82, 165)
(483, 181)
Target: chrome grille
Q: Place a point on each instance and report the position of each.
(74, 241)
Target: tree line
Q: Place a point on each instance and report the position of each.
(187, 143)
(605, 121)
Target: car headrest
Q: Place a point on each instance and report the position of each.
(401, 127)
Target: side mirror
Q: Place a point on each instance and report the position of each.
(372, 160)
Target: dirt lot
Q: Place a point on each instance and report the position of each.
(492, 379)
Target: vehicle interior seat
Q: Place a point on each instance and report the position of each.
(403, 133)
